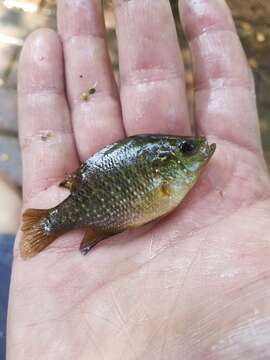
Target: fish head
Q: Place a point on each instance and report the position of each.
(185, 157)
(194, 153)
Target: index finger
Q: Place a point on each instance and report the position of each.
(225, 103)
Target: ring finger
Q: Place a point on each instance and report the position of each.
(96, 122)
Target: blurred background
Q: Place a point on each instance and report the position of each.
(19, 17)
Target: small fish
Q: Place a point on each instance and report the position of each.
(125, 185)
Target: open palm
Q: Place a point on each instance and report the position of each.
(192, 286)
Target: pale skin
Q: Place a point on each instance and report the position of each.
(192, 286)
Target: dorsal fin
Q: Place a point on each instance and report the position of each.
(71, 181)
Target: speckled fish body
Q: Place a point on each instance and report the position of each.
(125, 185)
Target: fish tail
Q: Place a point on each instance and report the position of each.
(34, 238)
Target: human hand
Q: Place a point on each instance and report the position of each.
(196, 284)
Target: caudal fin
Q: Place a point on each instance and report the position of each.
(34, 238)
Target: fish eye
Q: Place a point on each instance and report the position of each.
(188, 147)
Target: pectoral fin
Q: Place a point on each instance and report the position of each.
(90, 239)
(165, 189)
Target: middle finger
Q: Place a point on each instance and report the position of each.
(153, 93)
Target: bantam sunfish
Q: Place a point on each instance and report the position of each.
(125, 185)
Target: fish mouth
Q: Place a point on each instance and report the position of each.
(207, 150)
(212, 149)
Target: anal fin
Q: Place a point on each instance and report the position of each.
(90, 239)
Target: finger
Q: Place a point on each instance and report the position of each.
(96, 122)
(153, 93)
(46, 139)
(224, 91)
